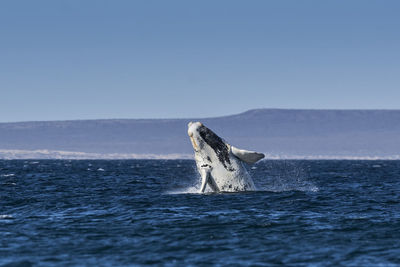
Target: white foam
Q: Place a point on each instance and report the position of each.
(195, 190)
(189, 190)
(6, 217)
(60, 154)
(311, 188)
(7, 175)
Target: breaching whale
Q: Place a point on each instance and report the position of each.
(219, 163)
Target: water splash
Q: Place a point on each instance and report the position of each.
(280, 176)
(188, 190)
(272, 176)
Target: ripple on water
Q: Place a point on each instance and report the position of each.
(141, 212)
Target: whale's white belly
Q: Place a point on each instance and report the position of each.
(233, 180)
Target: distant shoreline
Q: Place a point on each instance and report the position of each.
(73, 155)
(279, 133)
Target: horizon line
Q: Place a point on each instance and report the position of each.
(212, 117)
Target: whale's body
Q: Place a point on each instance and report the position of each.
(219, 163)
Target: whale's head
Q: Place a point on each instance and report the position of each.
(194, 134)
(205, 141)
(202, 137)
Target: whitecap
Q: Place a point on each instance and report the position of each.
(7, 175)
(100, 169)
(6, 217)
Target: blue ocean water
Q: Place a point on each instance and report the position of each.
(146, 212)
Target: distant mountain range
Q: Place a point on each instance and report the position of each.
(280, 133)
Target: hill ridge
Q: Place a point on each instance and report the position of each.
(276, 131)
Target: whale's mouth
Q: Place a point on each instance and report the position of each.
(193, 127)
(195, 147)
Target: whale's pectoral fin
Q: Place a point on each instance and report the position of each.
(205, 176)
(247, 156)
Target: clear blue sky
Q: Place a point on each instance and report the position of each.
(142, 59)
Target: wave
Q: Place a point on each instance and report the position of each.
(59, 154)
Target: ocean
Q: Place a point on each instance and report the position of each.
(147, 212)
